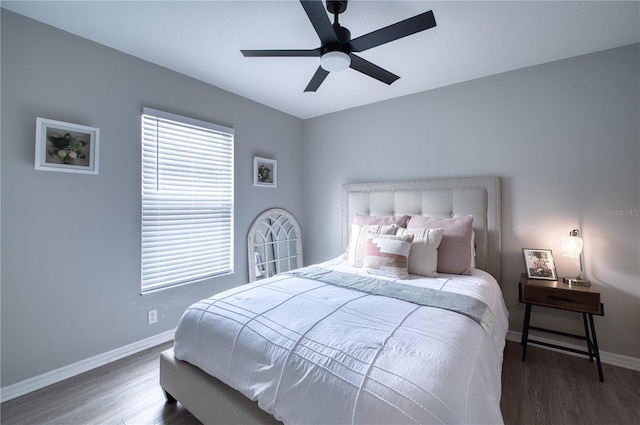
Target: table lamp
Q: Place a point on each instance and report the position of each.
(572, 247)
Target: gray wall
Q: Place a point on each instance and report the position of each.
(71, 242)
(563, 136)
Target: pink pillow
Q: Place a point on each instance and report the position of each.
(454, 253)
(398, 220)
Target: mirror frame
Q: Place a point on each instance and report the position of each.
(271, 229)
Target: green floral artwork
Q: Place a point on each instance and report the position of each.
(67, 148)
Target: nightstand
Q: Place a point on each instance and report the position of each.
(557, 294)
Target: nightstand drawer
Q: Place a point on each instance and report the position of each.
(586, 302)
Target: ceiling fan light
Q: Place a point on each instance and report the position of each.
(335, 61)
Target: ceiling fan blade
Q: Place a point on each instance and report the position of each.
(320, 20)
(317, 79)
(373, 71)
(395, 31)
(281, 53)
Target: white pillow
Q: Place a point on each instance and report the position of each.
(423, 258)
(388, 255)
(358, 240)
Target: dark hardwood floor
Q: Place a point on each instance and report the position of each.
(123, 392)
(551, 388)
(556, 388)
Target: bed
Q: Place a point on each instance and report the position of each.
(360, 338)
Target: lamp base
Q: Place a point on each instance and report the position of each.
(576, 281)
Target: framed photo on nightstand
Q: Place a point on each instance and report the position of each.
(539, 264)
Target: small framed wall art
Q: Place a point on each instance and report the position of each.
(66, 147)
(539, 264)
(265, 172)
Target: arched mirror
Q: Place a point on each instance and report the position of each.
(274, 244)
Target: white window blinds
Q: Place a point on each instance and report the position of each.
(187, 200)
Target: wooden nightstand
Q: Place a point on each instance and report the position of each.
(557, 294)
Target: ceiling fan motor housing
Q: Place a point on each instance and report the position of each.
(343, 43)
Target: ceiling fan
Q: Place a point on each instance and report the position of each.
(337, 51)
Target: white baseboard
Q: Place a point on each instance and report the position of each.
(605, 357)
(37, 382)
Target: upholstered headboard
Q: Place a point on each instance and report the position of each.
(453, 197)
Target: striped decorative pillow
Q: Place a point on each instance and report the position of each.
(423, 258)
(388, 255)
(358, 241)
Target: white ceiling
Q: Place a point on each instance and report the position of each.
(472, 39)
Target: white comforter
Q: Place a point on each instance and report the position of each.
(314, 353)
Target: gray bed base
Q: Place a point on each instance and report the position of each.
(213, 402)
(207, 398)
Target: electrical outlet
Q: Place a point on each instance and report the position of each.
(152, 316)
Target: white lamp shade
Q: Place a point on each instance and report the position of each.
(335, 61)
(571, 246)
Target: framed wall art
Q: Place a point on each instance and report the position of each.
(539, 264)
(265, 172)
(66, 147)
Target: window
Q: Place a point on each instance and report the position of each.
(187, 200)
